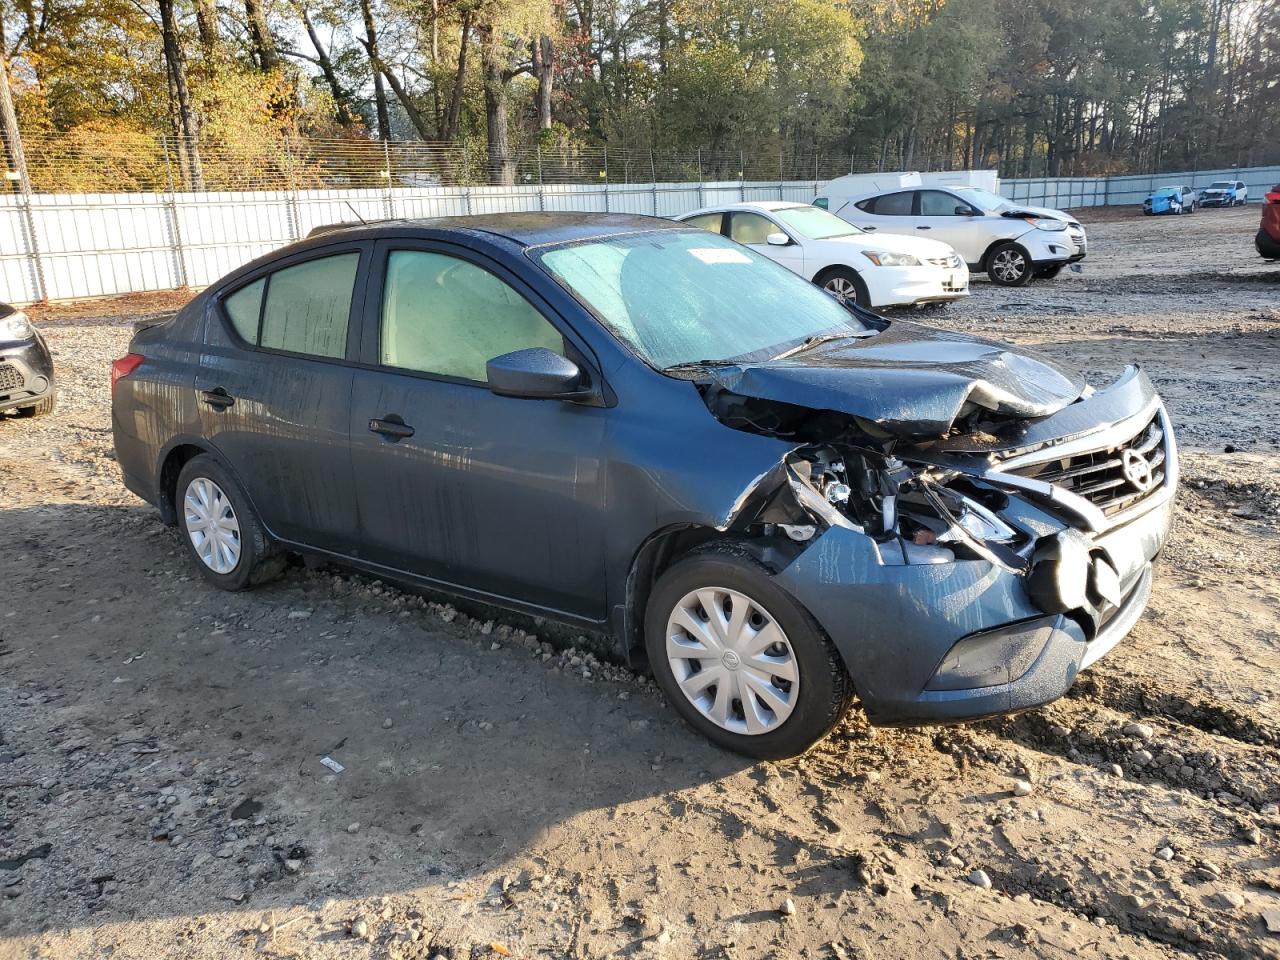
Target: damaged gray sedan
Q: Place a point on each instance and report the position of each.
(779, 500)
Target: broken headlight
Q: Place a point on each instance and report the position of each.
(977, 521)
(16, 326)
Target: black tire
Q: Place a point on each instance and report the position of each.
(1049, 272)
(1011, 262)
(42, 408)
(825, 688)
(258, 560)
(845, 276)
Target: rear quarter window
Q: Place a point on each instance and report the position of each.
(243, 308)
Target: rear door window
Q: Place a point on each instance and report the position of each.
(894, 204)
(308, 305)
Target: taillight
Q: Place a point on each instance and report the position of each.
(124, 366)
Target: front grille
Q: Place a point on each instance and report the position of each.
(10, 378)
(1112, 480)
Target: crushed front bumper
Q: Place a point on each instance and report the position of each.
(26, 373)
(966, 639)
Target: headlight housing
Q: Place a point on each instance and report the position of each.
(16, 326)
(1047, 223)
(883, 258)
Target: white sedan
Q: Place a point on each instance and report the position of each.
(880, 271)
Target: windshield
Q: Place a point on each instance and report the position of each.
(686, 297)
(983, 199)
(1168, 190)
(1222, 185)
(814, 224)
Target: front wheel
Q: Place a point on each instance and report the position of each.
(219, 527)
(845, 284)
(740, 659)
(1009, 265)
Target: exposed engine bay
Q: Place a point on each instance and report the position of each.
(919, 512)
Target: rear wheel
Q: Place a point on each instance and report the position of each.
(1009, 265)
(221, 532)
(740, 659)
(845, 283)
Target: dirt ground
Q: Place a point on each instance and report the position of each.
(162, 791)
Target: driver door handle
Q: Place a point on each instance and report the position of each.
(393, 428)
(869, 229)
(922, 227)
(218, 398)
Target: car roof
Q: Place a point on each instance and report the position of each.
(524, 229)
(747, 205)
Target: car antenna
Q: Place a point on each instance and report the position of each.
(356, 212)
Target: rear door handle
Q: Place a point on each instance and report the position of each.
(218, 398)
(924, 228)
(869, 229)
(392, 427)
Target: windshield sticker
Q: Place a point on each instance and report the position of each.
(719, 255)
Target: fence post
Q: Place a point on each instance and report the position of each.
(388, 200)
(606, 179)
(742, 176)
(702, 202)
(292, 212)
(542, 199)
(466, 169)
(653, 178)
(175, 232)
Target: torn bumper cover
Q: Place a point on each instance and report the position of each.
(929, 640)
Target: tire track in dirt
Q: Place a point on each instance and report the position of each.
(1143, 699)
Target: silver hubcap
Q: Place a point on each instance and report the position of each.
(732, 660)
(842, 288)
(212, 525)
(1009, 264)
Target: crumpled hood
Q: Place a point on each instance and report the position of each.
(909, 379)
(1047, 212)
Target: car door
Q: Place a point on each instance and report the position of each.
(273, 389)
(940, 217)
(753, 229)
(499, 495)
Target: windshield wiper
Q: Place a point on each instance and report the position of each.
(808, 343)
(689, 364)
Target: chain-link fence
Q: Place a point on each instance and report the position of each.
(137, 163)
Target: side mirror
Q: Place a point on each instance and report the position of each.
(777, 239)
(535, 374)
(963, 211)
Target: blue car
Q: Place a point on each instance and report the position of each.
(1177, 199)
(771, 498)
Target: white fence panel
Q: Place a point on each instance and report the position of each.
(87, 245)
